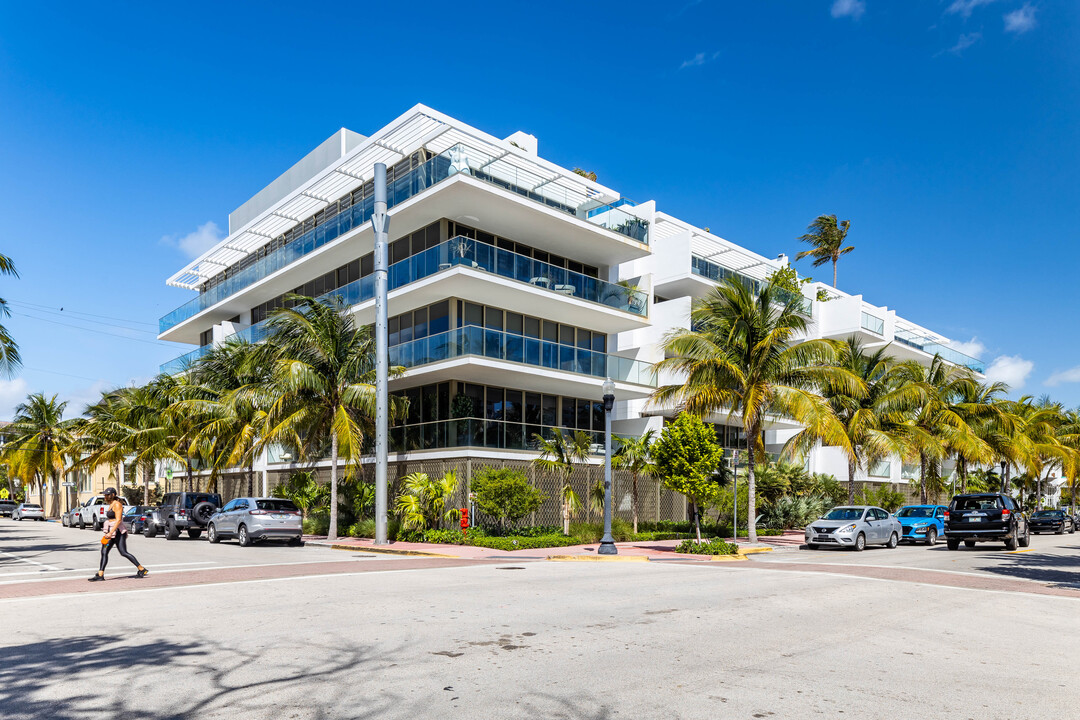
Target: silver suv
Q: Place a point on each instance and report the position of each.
(250, 519)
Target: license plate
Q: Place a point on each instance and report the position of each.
(822, 538)
(974, 519)
(281, 517)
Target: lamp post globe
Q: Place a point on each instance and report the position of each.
(607, 543)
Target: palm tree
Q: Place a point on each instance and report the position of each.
(41, 438)
(979, 404)
(827, 235)
(870, 415)
(10, 361)
(1038, 445)
(633, 454)
(558, 456)
(323, 385)
(939, 427)
(425, 501)
(742, 356)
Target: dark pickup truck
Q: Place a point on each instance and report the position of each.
(984, 517)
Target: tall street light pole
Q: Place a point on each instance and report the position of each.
(735, 496)
(380, 223)
(607, 543)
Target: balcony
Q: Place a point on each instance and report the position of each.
(872, 323)
(499, 345)
(718, 273)
(933, 347)
(181, 363)
(458, 159)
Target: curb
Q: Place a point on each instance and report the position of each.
(752, 551)
(728, 558)
(598, 558)
(383, 551)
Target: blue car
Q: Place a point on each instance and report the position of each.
(922, 523)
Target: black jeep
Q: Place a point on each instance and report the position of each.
(189, 511)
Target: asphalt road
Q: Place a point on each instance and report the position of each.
(544, 640)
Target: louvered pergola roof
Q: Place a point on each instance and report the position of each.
(420, 127)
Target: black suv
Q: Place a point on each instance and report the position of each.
(986, 516)
(189, 511)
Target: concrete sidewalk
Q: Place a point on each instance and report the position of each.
(652, 549)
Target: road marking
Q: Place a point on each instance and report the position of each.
(901, 567)
(151, 568)
(32, 562)
(90, 570)
(1013, 552)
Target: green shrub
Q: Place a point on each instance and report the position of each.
(317, 524)
(712, 547)
(505, 494)
(509, 543)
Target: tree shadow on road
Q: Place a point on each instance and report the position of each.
(103, 676)
(1056, 570)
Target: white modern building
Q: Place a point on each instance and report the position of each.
(516, 287)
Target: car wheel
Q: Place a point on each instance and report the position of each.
(1061, 531)
(82, 524)
(242, 536)
(931, 536)
(171, 531)
(1010, 542)
(860, 543)
(296, 542)
(953, 544)
(894, 540)
(97, 525)
(1025, 539)
(969, 543)
(194, 534)
(150, 530)
(211, 533)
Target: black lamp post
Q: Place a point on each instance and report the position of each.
(607, 543)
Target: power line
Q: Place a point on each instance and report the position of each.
(47, 308)
(88, 320)
(100, 332)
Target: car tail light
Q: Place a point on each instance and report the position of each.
(182, 512)
(258, 512)
(1005, 514)
(946, 516)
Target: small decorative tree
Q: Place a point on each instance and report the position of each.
(687, 456)
(425, 502)
(305, 492)
(505, 494)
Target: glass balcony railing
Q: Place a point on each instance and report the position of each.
(184, 361)
(476, 432)
(719, 273)
(933, 347)
(874, 324)
(499, 345)
(503, 263)
(458, 159)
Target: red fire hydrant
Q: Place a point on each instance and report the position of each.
(465, 521)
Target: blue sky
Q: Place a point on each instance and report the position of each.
(944, 130)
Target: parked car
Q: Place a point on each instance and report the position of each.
(1055, 521)
(986, 517)
(28, 511)
(135, 517)
(251, 519)
(68, 519)
(7, 507)
(182, 511)
(922, 523)
(854, 526)
(92, 512)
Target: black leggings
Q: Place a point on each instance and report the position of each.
(120, 541)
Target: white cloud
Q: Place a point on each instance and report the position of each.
(12, 392)
(964, 8)
(1021, 20)
(1064, 376)
(965, 41)
(972, 348)
(699, 59)
(78, 398)
(196, 243)
(1012, 370)
(848, 8)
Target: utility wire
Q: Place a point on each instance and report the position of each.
(100, 332)
(22, 311)
(39, 308)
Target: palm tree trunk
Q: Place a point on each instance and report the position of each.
(922, 478)
(566, 508)
(963, 475)
(633, 500)
(851, 482)
(188, 463)
(834, 272)
(56, 495)
(41, 488)
(751, 488)
(251, 480)
(332, 532)
(146, 472)
(697, 519)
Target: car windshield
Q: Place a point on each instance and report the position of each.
(916, 512)
(1047, 513)
(986, 502)
(276, 505)
(843, 513)
(31, 506)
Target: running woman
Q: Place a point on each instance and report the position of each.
(116, 532)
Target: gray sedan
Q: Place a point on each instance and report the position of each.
(854, 526)
(250, 519)
(28, 511)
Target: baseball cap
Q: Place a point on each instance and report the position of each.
(110, 491)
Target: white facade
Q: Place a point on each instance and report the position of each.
(517, 286)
